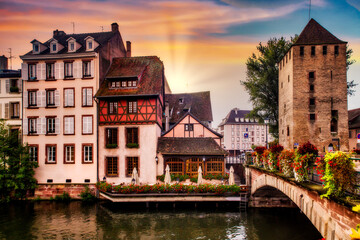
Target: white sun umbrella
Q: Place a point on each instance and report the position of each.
(167, 178)
(199, 181)
(231, 177)
(135, 176)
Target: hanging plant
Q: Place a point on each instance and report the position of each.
(259, 152)
(275, 151)
(265, 157)
(301, 165)
(286, 159)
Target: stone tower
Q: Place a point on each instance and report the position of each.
(313, 91)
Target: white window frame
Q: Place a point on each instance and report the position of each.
(87, 97)
(68, 149)
(87, 125)
(33, 153)
(50, 98)
(69, 69)
(51, 154)
(32, 98)
(132, 106)
(50, 125)
(32, 72)
(69, 125)
(88, 153)
(86, 67)
(32, 125)
(69, 97)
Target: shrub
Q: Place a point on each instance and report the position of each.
(132, 145)
(112, 145)
(194, 179)
(259, 152)
(64, 197)
(357, 151)
(307, 148)
(275, 151)
(301, 165)
(87, 196)
(286, 159)
(264, 158)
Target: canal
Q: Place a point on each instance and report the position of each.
(76, 220)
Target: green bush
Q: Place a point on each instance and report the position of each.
(132, 145)
(112, 145)
(87, 196)
(65, 197)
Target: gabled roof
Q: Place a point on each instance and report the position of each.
(199, 104)
(236, 113)
(189, 146)
(151, 72)
(354, 118)
(314, 33)
(62, 37)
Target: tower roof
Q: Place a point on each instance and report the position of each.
(314, 33)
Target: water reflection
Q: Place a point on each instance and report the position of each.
(50, 220)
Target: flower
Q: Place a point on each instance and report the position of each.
(355, 234)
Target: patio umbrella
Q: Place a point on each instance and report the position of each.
(167, 178)
(135, 176)
(199, 181)
(231, 177)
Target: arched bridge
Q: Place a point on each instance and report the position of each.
(331, 219)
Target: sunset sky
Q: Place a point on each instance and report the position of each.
(204, 44)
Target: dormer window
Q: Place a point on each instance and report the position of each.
(128, 84)
(181, 100)
(53, 47)
(71, 45)
(36, 48)
(90, 45)
(236, 119)
(115, 84)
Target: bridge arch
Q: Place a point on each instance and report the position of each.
(332, 220)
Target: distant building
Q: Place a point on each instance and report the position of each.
(313, 91)
(354, 128)
(10, 96)
(61, 77)
(241, 132)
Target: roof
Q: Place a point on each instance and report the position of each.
(62, 37)
(150, 71)
(10, 73)
(354, 118)
(314, 33)
(237, 113)
(198, 104)
(189, 146)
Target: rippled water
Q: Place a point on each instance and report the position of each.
(51, 220)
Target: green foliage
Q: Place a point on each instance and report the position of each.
(132, 145)
(339, 174)
(111, 145)
(286, 159)
(351, 84)
(194, 179)
(87, 196)
(64, 197)
(14, 89)
(16, 171)
(262, 80)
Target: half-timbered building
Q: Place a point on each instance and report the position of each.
(130, 110)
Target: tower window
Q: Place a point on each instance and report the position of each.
(312, 116)
(324, 50)
(312, 50)
(311, 75)
(288, 78)
(287, 131)
(312, 87)
(301, 51)
(312, 102)
(336, 50)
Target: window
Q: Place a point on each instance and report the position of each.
(69, 125)
(69, 153)
(50, 153)
(36, 48)
(123, 84)
(311, 75)
(312, 102)
(312, 116)
(90, 45)
(288, 78)
(50, 71)
(287, 131)
(87, 153)
(336, 50)
(87, 124)
(53, 47)
(350, 134)
(176, 166)
(32, 125)
(132, 137)
(33, 153)
(311, 88)
(111, 135)
(71, 46)
(32, 71)
(50, 98)
(215, 165)
(112, 167)
(86, 69)
(289, 54)
(68, 69)
(132, 107)
(87, 96)
(115, 84)
(69, 97)
(301, 51)
(131, 163)
(281, 85)
(312, 50)
(334, 122)
(113, 107)
(324, 50)
(50, 125)
(15, 110)
(189, 127)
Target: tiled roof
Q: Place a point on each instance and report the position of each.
(99, 37)
(198, 104)
(314, 33)
(189, 146)
(151, 82)
(354, 118)
(236, 113)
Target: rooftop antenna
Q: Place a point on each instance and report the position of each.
(102, 28)
(309, 10)
(11, 57)
(73, 23)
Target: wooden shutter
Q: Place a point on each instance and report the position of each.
(57, 70)
(77, 69)
(39, 125)
(24, 71)
(43, 98)
(89, 97)
(19, 84)
(71, 125)
(0, 110)
(42, 73)
(57, 98)
(92, 68)
(7, 110)
(43, 125)
(61, 70)
(7, 85)
(38, 71)
(71, 96)
(66, 96)
(57, 126)
(38, 98)
(25, 126)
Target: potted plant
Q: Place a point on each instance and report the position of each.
(111, 145)
(132, 145)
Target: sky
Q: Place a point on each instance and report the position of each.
(204, 44)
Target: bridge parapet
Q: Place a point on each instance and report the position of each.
(332, 220)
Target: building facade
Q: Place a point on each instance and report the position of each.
(354, 129)
(60, 78)
(313, 91)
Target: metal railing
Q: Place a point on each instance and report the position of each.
(235, 160)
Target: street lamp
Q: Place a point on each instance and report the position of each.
(157, 159)
(266, 121)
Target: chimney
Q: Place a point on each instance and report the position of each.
(114, 27)
(167, 116)
(3, 62)
(128, 49)
(58, 33)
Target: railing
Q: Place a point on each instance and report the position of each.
(235, 160)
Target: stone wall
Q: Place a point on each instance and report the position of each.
(46, 191)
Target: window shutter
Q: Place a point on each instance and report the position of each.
(0, 85)
(57, 70)
(0, 110)
(7, 85)
(19, 84)
(77, 69)
(6, 110)
(43, 125)
(25, 99)
(61, 70)
(39, 98)
(38, 71)
(84, 97)
(92, 68)
(24, 71)
(71, 97)
(42, 74)
(43, 98)
(89, 96)
(25, 126)
(57, 98)
(72, 125)
(66, 100)
(57, 126)
(39, 126)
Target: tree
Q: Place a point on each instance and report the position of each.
(351, 84)
(16, 171)
(262, 80)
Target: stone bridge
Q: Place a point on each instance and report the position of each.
(331, 219)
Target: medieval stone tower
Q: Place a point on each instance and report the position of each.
(313, 91)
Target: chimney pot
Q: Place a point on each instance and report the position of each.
(114, 27)
(128, 49)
